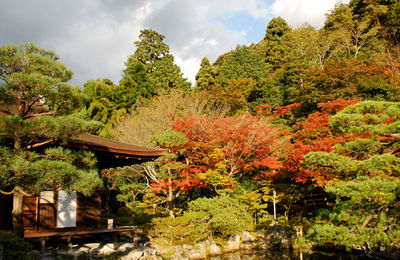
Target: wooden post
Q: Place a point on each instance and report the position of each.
(115, 240)
(42, 244)
(69, 239)
(274, 194)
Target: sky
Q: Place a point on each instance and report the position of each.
(95, 37)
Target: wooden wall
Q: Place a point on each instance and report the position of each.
(89, 211)
(42, 215)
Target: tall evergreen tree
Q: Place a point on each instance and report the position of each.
(241, 63)
(154, 54)
(205, 77)
(36, 103)
(136, 81)
(106, 101)
(276, 29)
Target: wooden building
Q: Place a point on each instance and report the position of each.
(60, 211)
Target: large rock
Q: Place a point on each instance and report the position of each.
(214, 250)
(107, 249)
(133, 255)
(34, 254)
(177, 253)
(187, 248)
(248, 245)
(277, 236)
(92, 245)
(148, 251)
(126, 247)
(391, 252)
(247, 237)
(79, 253)
(203, 247)
(260, 234)
(233, 244)
(194, 254)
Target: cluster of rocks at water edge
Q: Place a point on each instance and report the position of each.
(277, 236)
(126, 251)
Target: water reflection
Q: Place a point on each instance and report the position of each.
(288, 255)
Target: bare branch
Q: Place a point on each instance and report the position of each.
(40, 144)
(7, 192)
(40, 114)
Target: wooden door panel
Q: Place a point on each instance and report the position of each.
(47, 216)
(29, 212)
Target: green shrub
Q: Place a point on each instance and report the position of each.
(364, 216)
(205, 217)
(14, 246)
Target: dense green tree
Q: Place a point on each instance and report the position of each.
(101, 95)
(154, 54)
(35, 102)
(205, 77)
(392, 21)
(300, 56)
(276, 29)
(106, 101)
(353, 35)
(237, 92)
(241, 63)
(205, 218)
(384, 13)
(365, 215)
(135, 83)
(349, 79)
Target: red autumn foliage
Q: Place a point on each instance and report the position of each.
(314, 135)
(267, 110)
(285, 110)
(247, 144)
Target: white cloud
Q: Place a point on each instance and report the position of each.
(193, 30)
(94, 38)
(298, 12)
(100, 45)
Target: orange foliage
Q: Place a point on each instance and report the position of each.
(243, 144)
(315, 135)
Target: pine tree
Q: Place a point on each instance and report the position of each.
(36, 105)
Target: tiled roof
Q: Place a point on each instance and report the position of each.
(92, 142)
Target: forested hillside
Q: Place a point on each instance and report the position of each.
(303, 112)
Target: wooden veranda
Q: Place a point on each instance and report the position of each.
(43, 236)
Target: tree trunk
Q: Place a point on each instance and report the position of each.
(18, 225)
(17, 143)
(170, 199)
